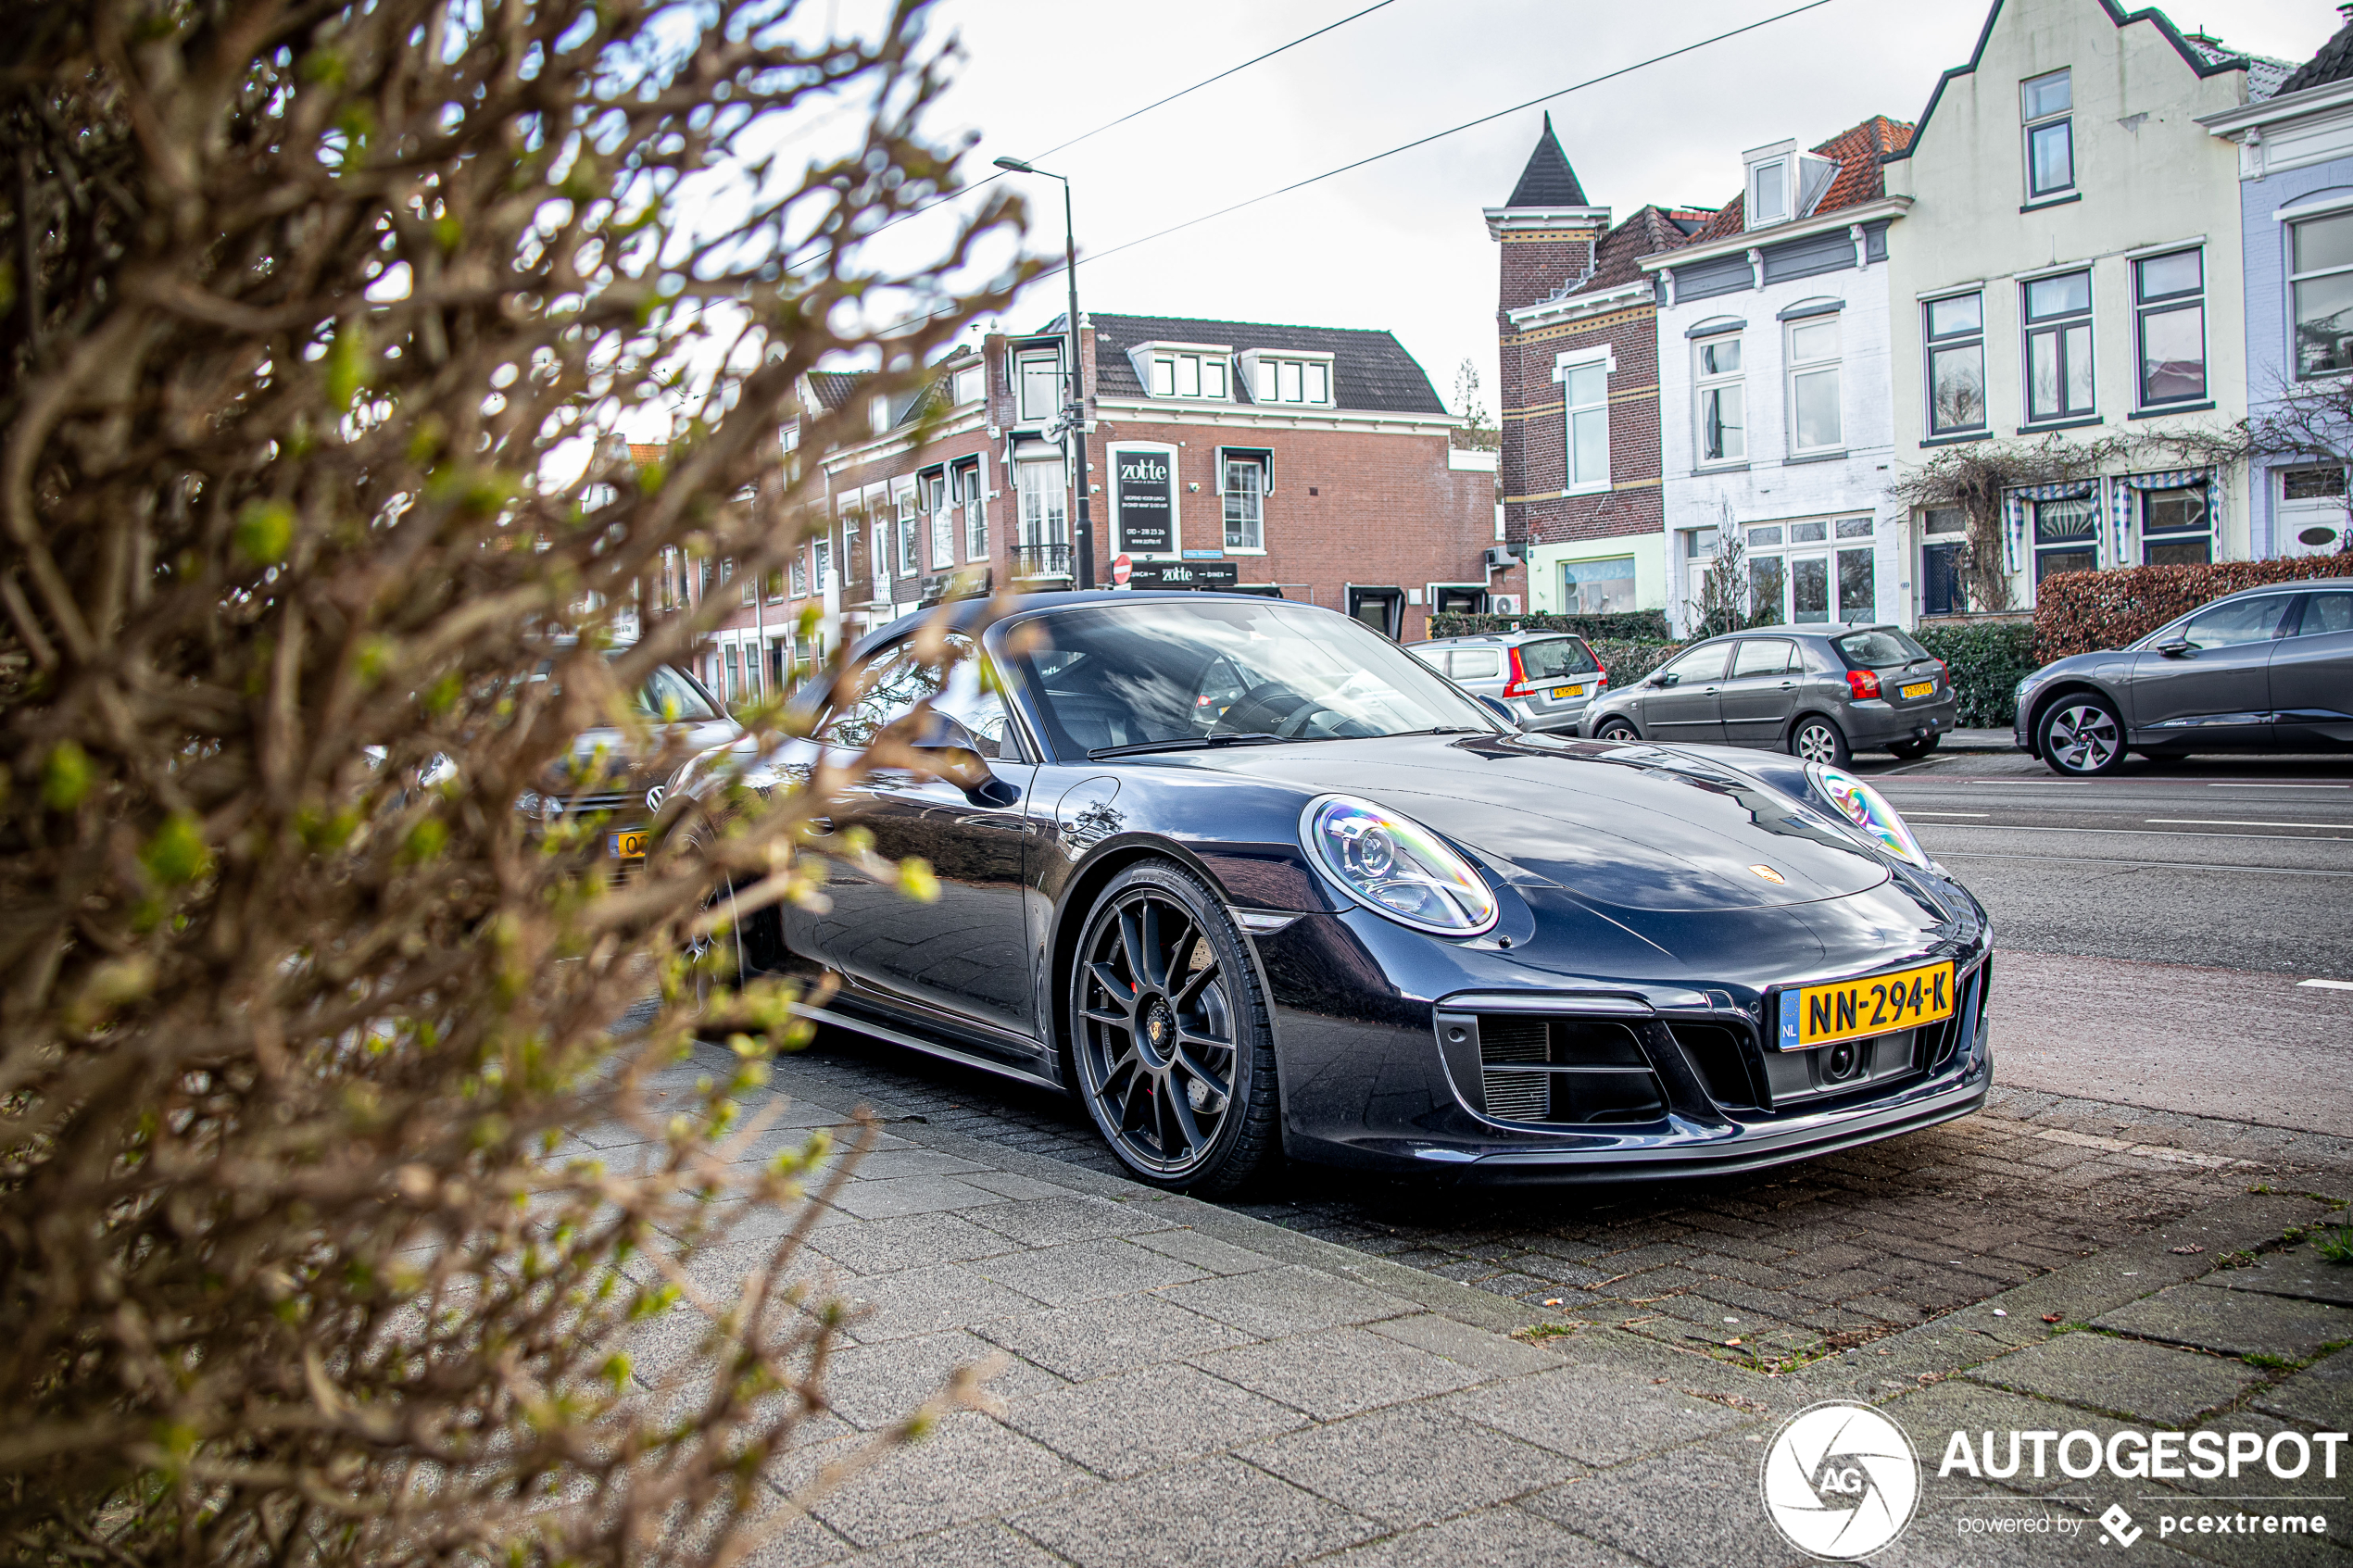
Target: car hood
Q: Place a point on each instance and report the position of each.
(1634, 827)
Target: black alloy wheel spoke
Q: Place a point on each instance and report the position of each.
(1155, 973)
(1153, 1037)
(1181, 1112)
(1201, 1075)
(1131, 942)
(1185, 995)
(1119, 990)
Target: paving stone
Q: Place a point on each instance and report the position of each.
(1409, 1465)
(1503, 1536)
(872, 1385)
(973, 1546)
(1205, 1252)
(1595, 1415)
(1929, 1416)
(1107, 1337)
(909, 1241)
(2147, 1381)
(1491, 1353)
(887, 1164)
(1289, 1300)
(2322, 1393)
(2238, 1322)
(1217, 1510)
(1123, 1426)
(1678, 1508)
(972, 1467)
(1054, 1221)
(1024, 1190)
(1339, 1372)
(922, 1301)
(2296, 1272)
(910, 1195)
(1086, 1270)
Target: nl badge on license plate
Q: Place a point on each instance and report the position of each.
(1848, 1010)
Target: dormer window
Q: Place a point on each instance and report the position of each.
(878, 413)
(1184, 369)
(1768, 193)
(1037, 373)
(1283, 378)
(968, 385)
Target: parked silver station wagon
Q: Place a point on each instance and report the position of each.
(1546, 679)
(1822, 691)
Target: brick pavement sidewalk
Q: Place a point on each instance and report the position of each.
(1183, 1384)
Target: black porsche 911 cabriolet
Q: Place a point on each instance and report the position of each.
(1247, 877)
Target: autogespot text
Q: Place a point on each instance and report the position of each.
(2131, 1455)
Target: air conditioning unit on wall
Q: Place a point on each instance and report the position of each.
(1503, 604)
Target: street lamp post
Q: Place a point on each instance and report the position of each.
(1075, 411)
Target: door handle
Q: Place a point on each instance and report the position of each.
(1789, 685)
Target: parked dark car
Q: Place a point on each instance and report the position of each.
(2267, 669)
(1822, 691)
(605, 778)
(1246, 877)
(1544, 679)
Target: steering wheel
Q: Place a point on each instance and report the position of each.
(1243, 715)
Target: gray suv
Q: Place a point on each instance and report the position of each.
(1545, 679)
(2266, 668)
(1822, 691)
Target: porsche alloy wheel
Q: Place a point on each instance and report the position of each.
(1169, 1033)
(2083, 736)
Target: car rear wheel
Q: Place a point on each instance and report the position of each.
(2081, 736)
(1815, 739)
(1615, 730)
(1169, 1035)
(1908, 749)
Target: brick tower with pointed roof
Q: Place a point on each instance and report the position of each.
(1579, 389)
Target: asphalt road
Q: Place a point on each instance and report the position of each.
(2229, 863)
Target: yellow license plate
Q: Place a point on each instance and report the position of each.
(1919, 688)
(1560, 692)
(1848, 1010)
(629, 845)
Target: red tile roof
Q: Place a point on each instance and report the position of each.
(1856, 151)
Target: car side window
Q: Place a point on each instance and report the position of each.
(895, 680)
(1476, 664)
(2242, 621)
(1769, 657)
(2326, 613)
(1698, 666)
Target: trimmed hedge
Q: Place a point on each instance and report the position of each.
(1630, 661)
(2084, 612)
(1628, 625)
(1985, 660)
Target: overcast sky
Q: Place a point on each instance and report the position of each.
(1400, 245)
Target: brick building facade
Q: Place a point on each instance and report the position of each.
(1315, 464)
(1576, 319)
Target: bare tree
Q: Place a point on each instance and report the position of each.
(1478, 432)
(320, 319)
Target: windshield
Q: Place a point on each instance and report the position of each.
(669, 696)
(1164, 671)
(1877, 650)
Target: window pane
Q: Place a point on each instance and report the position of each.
(1599, 587)
(1319, 378)
(1213, 382)
(2061, 296)
(2078, 368)
(2076, 558)
(2325, 325)
(1854, 528)
(1963, 313)
(1163, 377)
(1292, 391)
(1757, 536)
(2180, 272)
(2048, 94)
(1720, 358)
(1946, 519)
(1721, 435)
(2077, 519)
(1189, 376)
(1857, 595)
(2174, 354)
(1771, 182)
(2326, 614)
(1767, 657)
(1765, 587)
(1807, 532)
(2323, 243)
(2311, 484)
(2173, 511)
(1265, 390)
(1703, 664)
(2242, 621)
(1817, 409)
(1589, 447)
(2041, 375)
(1818, 340)
(1040, 385)
(1809, 590)
(1586, 384)
(1956, 378)
(1557, 657)
(1478, 664)
(2050, 158)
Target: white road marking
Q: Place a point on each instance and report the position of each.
(2141, 865)
(2235, 822)
(1916, 812)
(2149, 833)
(2140, 1150)
(2328, 984)
(2212, 784)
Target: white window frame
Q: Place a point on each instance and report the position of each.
(941, 519)
(1025, 412)
(964, 481)
(2057, 327)
(1563, 369)
(879, 553)
(1044, 507)
(1816, 368)
(1954, 341)
(969, 385)
(798, 569)
(1294, 380)
(2180, 302)
(1753, 211)
(2295, 319)
(1254, 519)
(2031, 124)
(1710, 386)
(907, 553)
(821, 552)
(878, 413)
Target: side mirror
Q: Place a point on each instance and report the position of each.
(950, 750)
(2177, 648)
(1663, 678)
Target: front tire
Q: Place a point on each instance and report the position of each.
(1816, 739)
(2080, 736)
(1169, 1035)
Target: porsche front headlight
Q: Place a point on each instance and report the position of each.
(1396, 867)
(1873, 819)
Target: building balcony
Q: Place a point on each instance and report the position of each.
(1034, 563)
